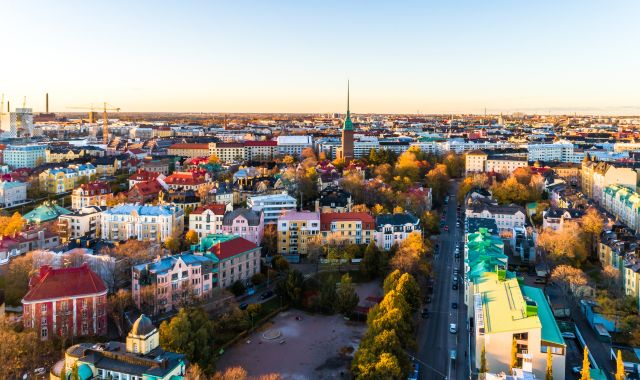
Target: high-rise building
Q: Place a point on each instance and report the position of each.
(18, 123)
(346, 150)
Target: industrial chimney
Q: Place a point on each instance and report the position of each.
(47, 102)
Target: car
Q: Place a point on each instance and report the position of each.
(425, 313)
(244, 306)
(540, 280)
(266, 295)
(453, 328)
(569, 335)
(427, 299)
(39, 371)
(457, 255)
(415, 374)
(446, 228)
(454, 286)
(454, 305)
(577, 369)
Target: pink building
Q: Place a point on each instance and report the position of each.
(173, 279)
(245, 223)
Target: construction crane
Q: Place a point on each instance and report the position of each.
(105, 121)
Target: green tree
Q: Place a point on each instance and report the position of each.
(328, 296)
(391, 281)
(291, 288)
(514, 355)
(347, 297)
(549, 373)
(172, 244)
(620, 374)
(408, 287)
(585, 373)
(373, 263)
(238, 288)
(16, 279)
(280, 263)
(191, 333)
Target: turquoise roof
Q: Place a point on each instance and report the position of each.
(484, 253)
(44, 213)
(550, 331)
(84, 372)
(127, 209)
(348, 124)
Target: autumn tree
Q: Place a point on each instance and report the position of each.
(361, 207)
(522, 175)
(289, 160)
(270, 239)
(16, 279)
(510, 191)
(378, 209)
(514, 355)
(173, 244)
(548, 375)
(585, 373)
(568, 278)
(191, 237)
(291, 288)
(455, 164)
(328, 296)
(408, 287)
(566, 245)
(407, 167)
(438, 180)
(213, 159)
(21, 350)
(430, 222)
(391, 281)
(411, 254)
(592, 224)
(620, 373)
(117, 304)
(483, 361)
(347, 299)
(11, 226)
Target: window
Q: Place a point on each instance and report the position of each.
(44, 332)
(43, 308)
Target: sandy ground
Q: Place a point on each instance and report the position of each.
(315, 346)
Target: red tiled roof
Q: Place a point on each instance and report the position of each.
(232, 248)
(93, 188)
(261, 143)
(229, 145)
(216, 208)
(189, 146)
(184, 178)
(143, 175)
(368, 223)
(64, 283)
(147, 187)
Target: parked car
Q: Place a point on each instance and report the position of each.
(454, 286)
(427, 299)
(446, 228)
(540, 280)
(425, 313)
(569, 335)
(453, 328)
(454, 305)
(415, 374)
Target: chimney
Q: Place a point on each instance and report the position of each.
(47, 102)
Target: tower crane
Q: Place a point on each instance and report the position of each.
(105, 121)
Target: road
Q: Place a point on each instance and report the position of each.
(435, 342)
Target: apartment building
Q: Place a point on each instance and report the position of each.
(246, 223)
(185, 180)
(624, 204)
(91, 194)
(261, 151)
(556, 218)
(272, 206)
(207, 219)
(66, 302)
(228, 152)
(395, 228)
(24, 156)
(191, 150)
(148, 223)
(61, 180)
(84, 222)
(505, 164)
(475, 162)
(507, 217)
(597, 175)
(293, 145)
(295, 229)
(333, 199)
(142, 175)
(235, 258)
(174, 280)
(559, 151)
(347, 228)
(12, 193)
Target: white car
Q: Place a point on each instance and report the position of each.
(569, 335)
(453, 328)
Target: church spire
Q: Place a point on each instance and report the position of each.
(348, 124)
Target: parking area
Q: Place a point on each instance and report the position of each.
(298, 346)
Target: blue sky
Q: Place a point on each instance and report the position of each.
(296, 56)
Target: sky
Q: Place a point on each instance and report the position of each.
(296, 56)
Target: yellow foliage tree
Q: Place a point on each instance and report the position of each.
(191, 237)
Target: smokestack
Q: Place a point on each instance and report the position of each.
(8, 108)
(47, 102)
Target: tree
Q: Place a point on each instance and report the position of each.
(172, 244)
(522, 175)
(328, 297)
(378, 209)
(438, 181)
(270, 239)
(483, 361)
(455, 164)
(192, 333)
(117, 199)
(510, 191)
(566, 245)
(549, 372)
(238, 288)
(408, 287)
(568, 278)
(22, 350)
(75, 375)
(398, 210)
(407, 166)
(191, 237)
(391, 281)
(289, 160)
(347, 299)
(514, 355)
(585, 373)
(410, 254)
(280, 263)
(13, 225)
(16, 279)
(117, 304)
(257, 279)
(213, 159)
(232, 373)
(373, 263)
(592, 224)
(148, 301)
(620, 374)
(291, 288)
(430, 222)
(253, 311)
(360, 208)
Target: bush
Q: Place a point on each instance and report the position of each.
(238, 288)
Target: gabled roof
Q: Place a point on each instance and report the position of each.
(45, 212)
(223, 247)
(147, 188)
(216, 208)
(398, 219)
(253, 217)
(66, 282)
(367, 220)
(143, 175)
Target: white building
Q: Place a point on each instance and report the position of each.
(478, 161)
(18, 123)
(560, 151)
(24, 156)
(147, 223)
(272, 205)
(293, 145)
(507, 217)
(84, 222)
(394, 229)
(624, 204)
(12, 193)
(207, 219)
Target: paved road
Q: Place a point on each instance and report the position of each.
(435, 342)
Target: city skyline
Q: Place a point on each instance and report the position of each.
(285, 57)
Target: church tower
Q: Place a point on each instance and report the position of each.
(346, 151)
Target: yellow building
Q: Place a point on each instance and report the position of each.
(189, 150)
(295, 229)
(347, 228)
(61, 180)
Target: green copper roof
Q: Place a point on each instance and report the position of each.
(550, 330)
(45, 212)
(348, 124)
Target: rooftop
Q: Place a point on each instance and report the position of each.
(65, 282)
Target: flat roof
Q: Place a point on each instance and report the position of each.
(550, 330)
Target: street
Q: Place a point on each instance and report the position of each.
(435, 342)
